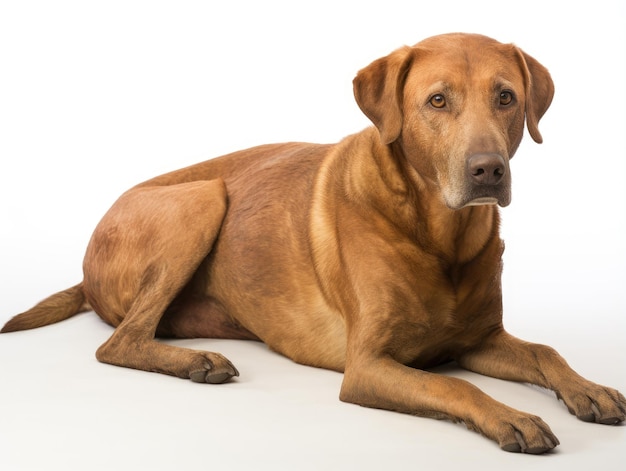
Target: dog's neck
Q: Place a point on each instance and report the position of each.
(413, 204)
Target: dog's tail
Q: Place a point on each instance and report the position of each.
(56, 308)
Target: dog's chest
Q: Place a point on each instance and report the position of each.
(440, 318)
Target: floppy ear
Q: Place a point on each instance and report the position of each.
(539, 92)
(378, 92)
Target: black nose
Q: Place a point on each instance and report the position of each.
(486, 169)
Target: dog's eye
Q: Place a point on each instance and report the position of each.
(506, 98)
(438, 101)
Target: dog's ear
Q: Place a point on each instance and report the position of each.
(539, 92)
(378, 91)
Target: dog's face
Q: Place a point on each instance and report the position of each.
(461, 99)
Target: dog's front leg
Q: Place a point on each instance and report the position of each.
(381, 382)
(504, 356)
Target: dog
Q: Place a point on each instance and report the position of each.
(377, 257)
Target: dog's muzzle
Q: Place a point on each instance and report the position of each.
(488, 180)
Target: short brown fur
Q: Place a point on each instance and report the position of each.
(378, 256)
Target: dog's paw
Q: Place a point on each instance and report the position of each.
(595, 403)
(525, 433)
(212, 368)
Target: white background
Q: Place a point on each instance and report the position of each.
(98, 96)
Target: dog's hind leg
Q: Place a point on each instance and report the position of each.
(143, 252)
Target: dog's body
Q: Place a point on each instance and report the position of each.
(377, 257)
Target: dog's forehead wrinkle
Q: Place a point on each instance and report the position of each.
(462, 64)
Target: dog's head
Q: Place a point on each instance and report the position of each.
(456, 105)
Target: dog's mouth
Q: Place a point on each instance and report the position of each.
(480, 195)
(483, 201)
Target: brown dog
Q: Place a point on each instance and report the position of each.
(378, 256)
